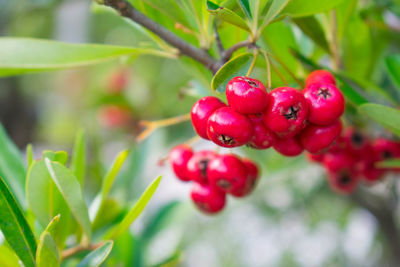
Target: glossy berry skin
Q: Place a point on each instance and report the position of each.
(287, 112)
(337, 161)
(197, 165)
(227, 173)
(320, 76)
(228, 128)
(246, 95)
(179, 158)
(356, 143)
(289, 147)
(326, 103)
(207, 199)
(201, 111)
(262, 137)
(251, 179)
(343, 181)
(316, 138)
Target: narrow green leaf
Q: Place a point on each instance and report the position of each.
(78, 160)
(386, 116)
(136, 210)
(312, 28)
(393, 66)
(47, 254)
(302, 8)
(274, 10)
(227, 15)
(244, 4)
(15, 228)
(390, 163)
(97, 256)
(112, 173)
(8, 257)
(237, 66)
(24, 55)
(70, 189)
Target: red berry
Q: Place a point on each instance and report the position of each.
(201, 111)
(287, 112)
(251, 179)
(385, 149)
(197, 165)
(262, 137)
(315, 157)
(246, 95)
(356, 143)
(320, 76)
(316, 138)
(337, 161)
(343, 181)
(367, 170)
(179, 157)
(326, 103)
(207, 199)
(118, 81)
(288, 146)
(227, 172)
(229, 128)
(114, 116)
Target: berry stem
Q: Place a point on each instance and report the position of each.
(268, 63)
(253, 63)
(301, 84)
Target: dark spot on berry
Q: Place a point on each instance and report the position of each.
(387, 155)
(224, 184)
(357, 139)
(291, 114)
(252, 83)
(324, 92)
(203, 167)
(226, 140)
(344, 179)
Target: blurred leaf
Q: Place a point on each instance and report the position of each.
(8, 257)
(70, 189)
(393, 66)
(386, 116)
(107, 214)
(171, 261)
(15, 228)
(390, 163)
(274, 10)
(227, 15)
(12, 166)
(244, 4)
(97, 256)
(112, 173)
(59, 156)
(312, 28)
(78, 159)
(301, 8)
(24, 55)
(136, 209)
(29, 154)
(47, 254)
(238, 66)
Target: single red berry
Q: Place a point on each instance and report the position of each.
(337, 161)
(118, 81)
(207, 199)
(367, 170)
(356, 143)
(262, 137)
(288, 146)
(385, 149)
(197, 165)
(316, 138)
(342, 181)
(201, 111)
(113, 116)
(227, 172)
(287, 112)
(179, 157)
(320, 76)
(229, 128)
(246, 95)
(326, 103)
(251, 179)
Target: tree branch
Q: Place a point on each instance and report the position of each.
(128, 11)
(228, 53)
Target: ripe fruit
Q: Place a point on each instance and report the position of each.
(262, 137)
(229, 128)
(320, 76)
(337, 161)
(326, 103)
(118, 81)
(287, 112)
(207, 199)
(227, 173)
(201, 111)
(288, 146)
(113, 116)
(343, 181)
(315, 157)
(179, 157)
(385, 149)
(246, 95)
(316, 138)
(251, 179)
(197, 165)
(356, 142)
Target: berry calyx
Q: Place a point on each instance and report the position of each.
(197, 165)
(179, 157)
(251, 179)
(326, 103)
(287, 112)
(320, 76)
(207, 199)
(246, 95)
(229, 128)
(201, 111)
(262, 137)
(316, 138)
(289, 147)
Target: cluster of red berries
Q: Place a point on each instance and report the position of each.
(286, 119)
(353, 158)
(213, 175)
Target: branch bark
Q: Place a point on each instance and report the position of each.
(125, 9)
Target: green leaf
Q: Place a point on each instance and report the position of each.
(136, 210)
(24, 55)
(8, 257)
(15, 228)
(386, 116)
(47, 254)
(393, 66)
(78, 160)
(274, 10)
(390, 163)
(302, 8)
(244, 4)
(29, 154)
(227, 15)
(312, 28)
(97, 256)
(112, 173)
(70, 189)
(237, 66)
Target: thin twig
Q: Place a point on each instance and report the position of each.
(253, 63)
(268, 63)
(279, 73)
(333, 44)
(69, 252)
(287, 69)
(218, 40)
(228, 53)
